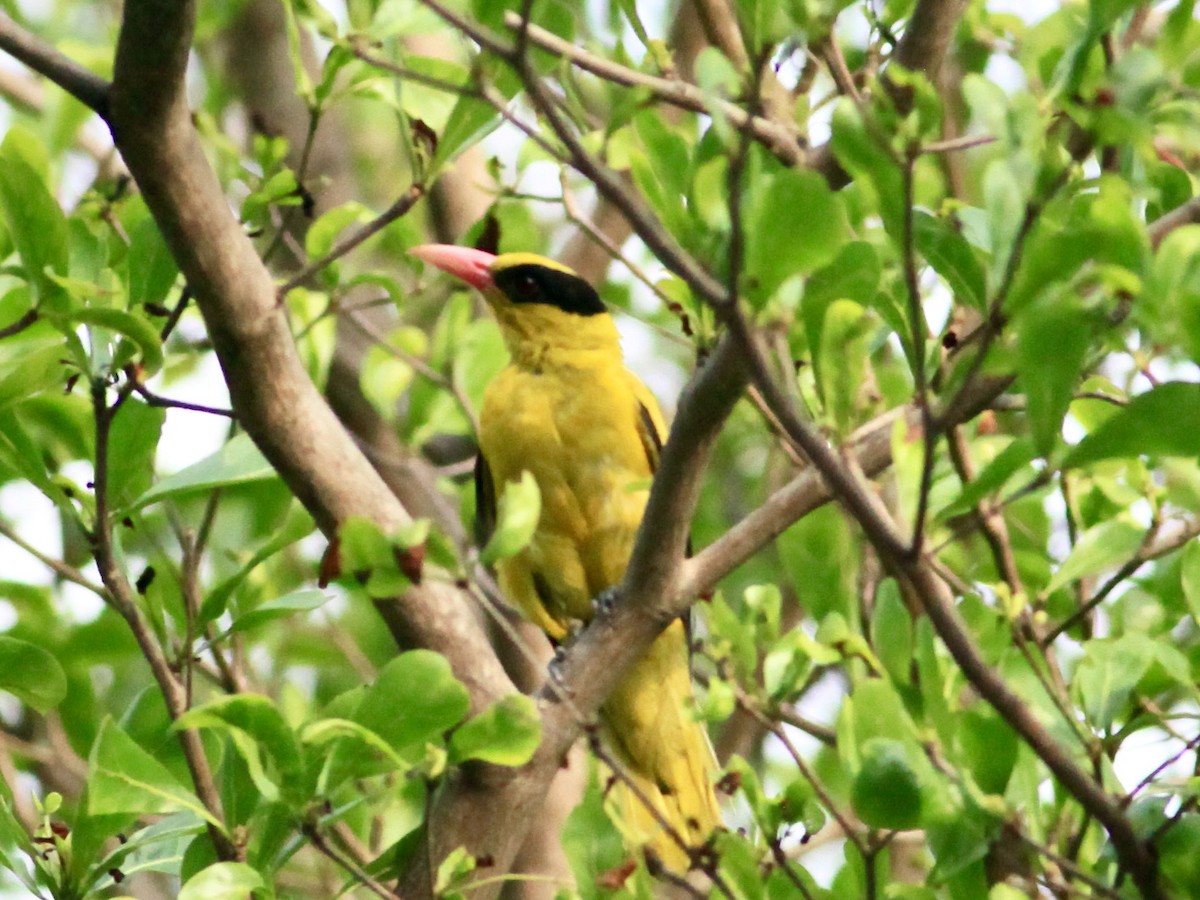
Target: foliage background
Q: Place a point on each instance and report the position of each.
(950, 249)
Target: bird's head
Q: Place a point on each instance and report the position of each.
(533, 298)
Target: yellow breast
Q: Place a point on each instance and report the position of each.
(576, 429)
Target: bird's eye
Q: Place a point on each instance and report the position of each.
(527, 288)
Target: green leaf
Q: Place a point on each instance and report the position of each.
(453, 871)
(798, 226)
(31, 674)
(990, 747)
(871, 164)
(238, 462)
(1098, 230)
(152, 269)
(505, 734)
(133, 325)
(36, 224)
(258, 719)
(952, 257)
(1052, 342)
(222, 881)
(960, 835)
(320, 237)
(661, 171)
(297, 525)
(1016, 455)
(133, 441)
(886, 793)
(124, 778)
(1164, 421)
(892, 632)
(35, 365)
(415, 699)
(1098, 549)
(325, 730)
(1004, 205)
(363, 547)
(1173, 289)
(470, 121)
(1177, 857)
(853, 275)
(845, 336)
(517, 517)
(15, 837)
(1107, 674)
(303, 600)
(1190, 576)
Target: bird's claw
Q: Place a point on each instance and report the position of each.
(554, 671)
(604, 602)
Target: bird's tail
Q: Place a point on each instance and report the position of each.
(664, 751)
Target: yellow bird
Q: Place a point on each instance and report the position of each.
(568, 411)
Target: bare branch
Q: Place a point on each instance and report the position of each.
(20, 324)
(1187, 213)
(676, 92)
(403, 204)
(1166, 541)
(57, 566)
(122, 597)
(927, 35)
(87, 87)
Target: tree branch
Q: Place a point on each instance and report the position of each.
(269, 388)
(1165, 542)
(85, 86)
(871, 449)
(121, 594)
(927, 35)
(676, 92)
(1187, 213)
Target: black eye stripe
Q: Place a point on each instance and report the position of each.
(531, 283)
(527, 287)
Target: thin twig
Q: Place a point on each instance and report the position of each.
(313, 833)
(660, 819)
(918, 335)
(57, 566)
(676, 92)
(153, 399)
(122, 598)
(1160, 545)
(403, 204)
(28, 318)
(1187, 748)
(852, 834)
(422, 368)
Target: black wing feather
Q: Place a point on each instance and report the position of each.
(485, 502)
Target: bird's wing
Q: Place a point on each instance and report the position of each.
(485, 501)
(650, 436)
(652, 428)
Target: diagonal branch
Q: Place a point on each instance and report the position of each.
(928, 34)
(270, 390)
(84, 85)
(871, 450)
(674, 91)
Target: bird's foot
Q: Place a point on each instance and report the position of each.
(605, 601)
(554, 671)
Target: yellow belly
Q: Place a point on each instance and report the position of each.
(577, 432)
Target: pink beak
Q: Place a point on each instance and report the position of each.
(472, 266)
